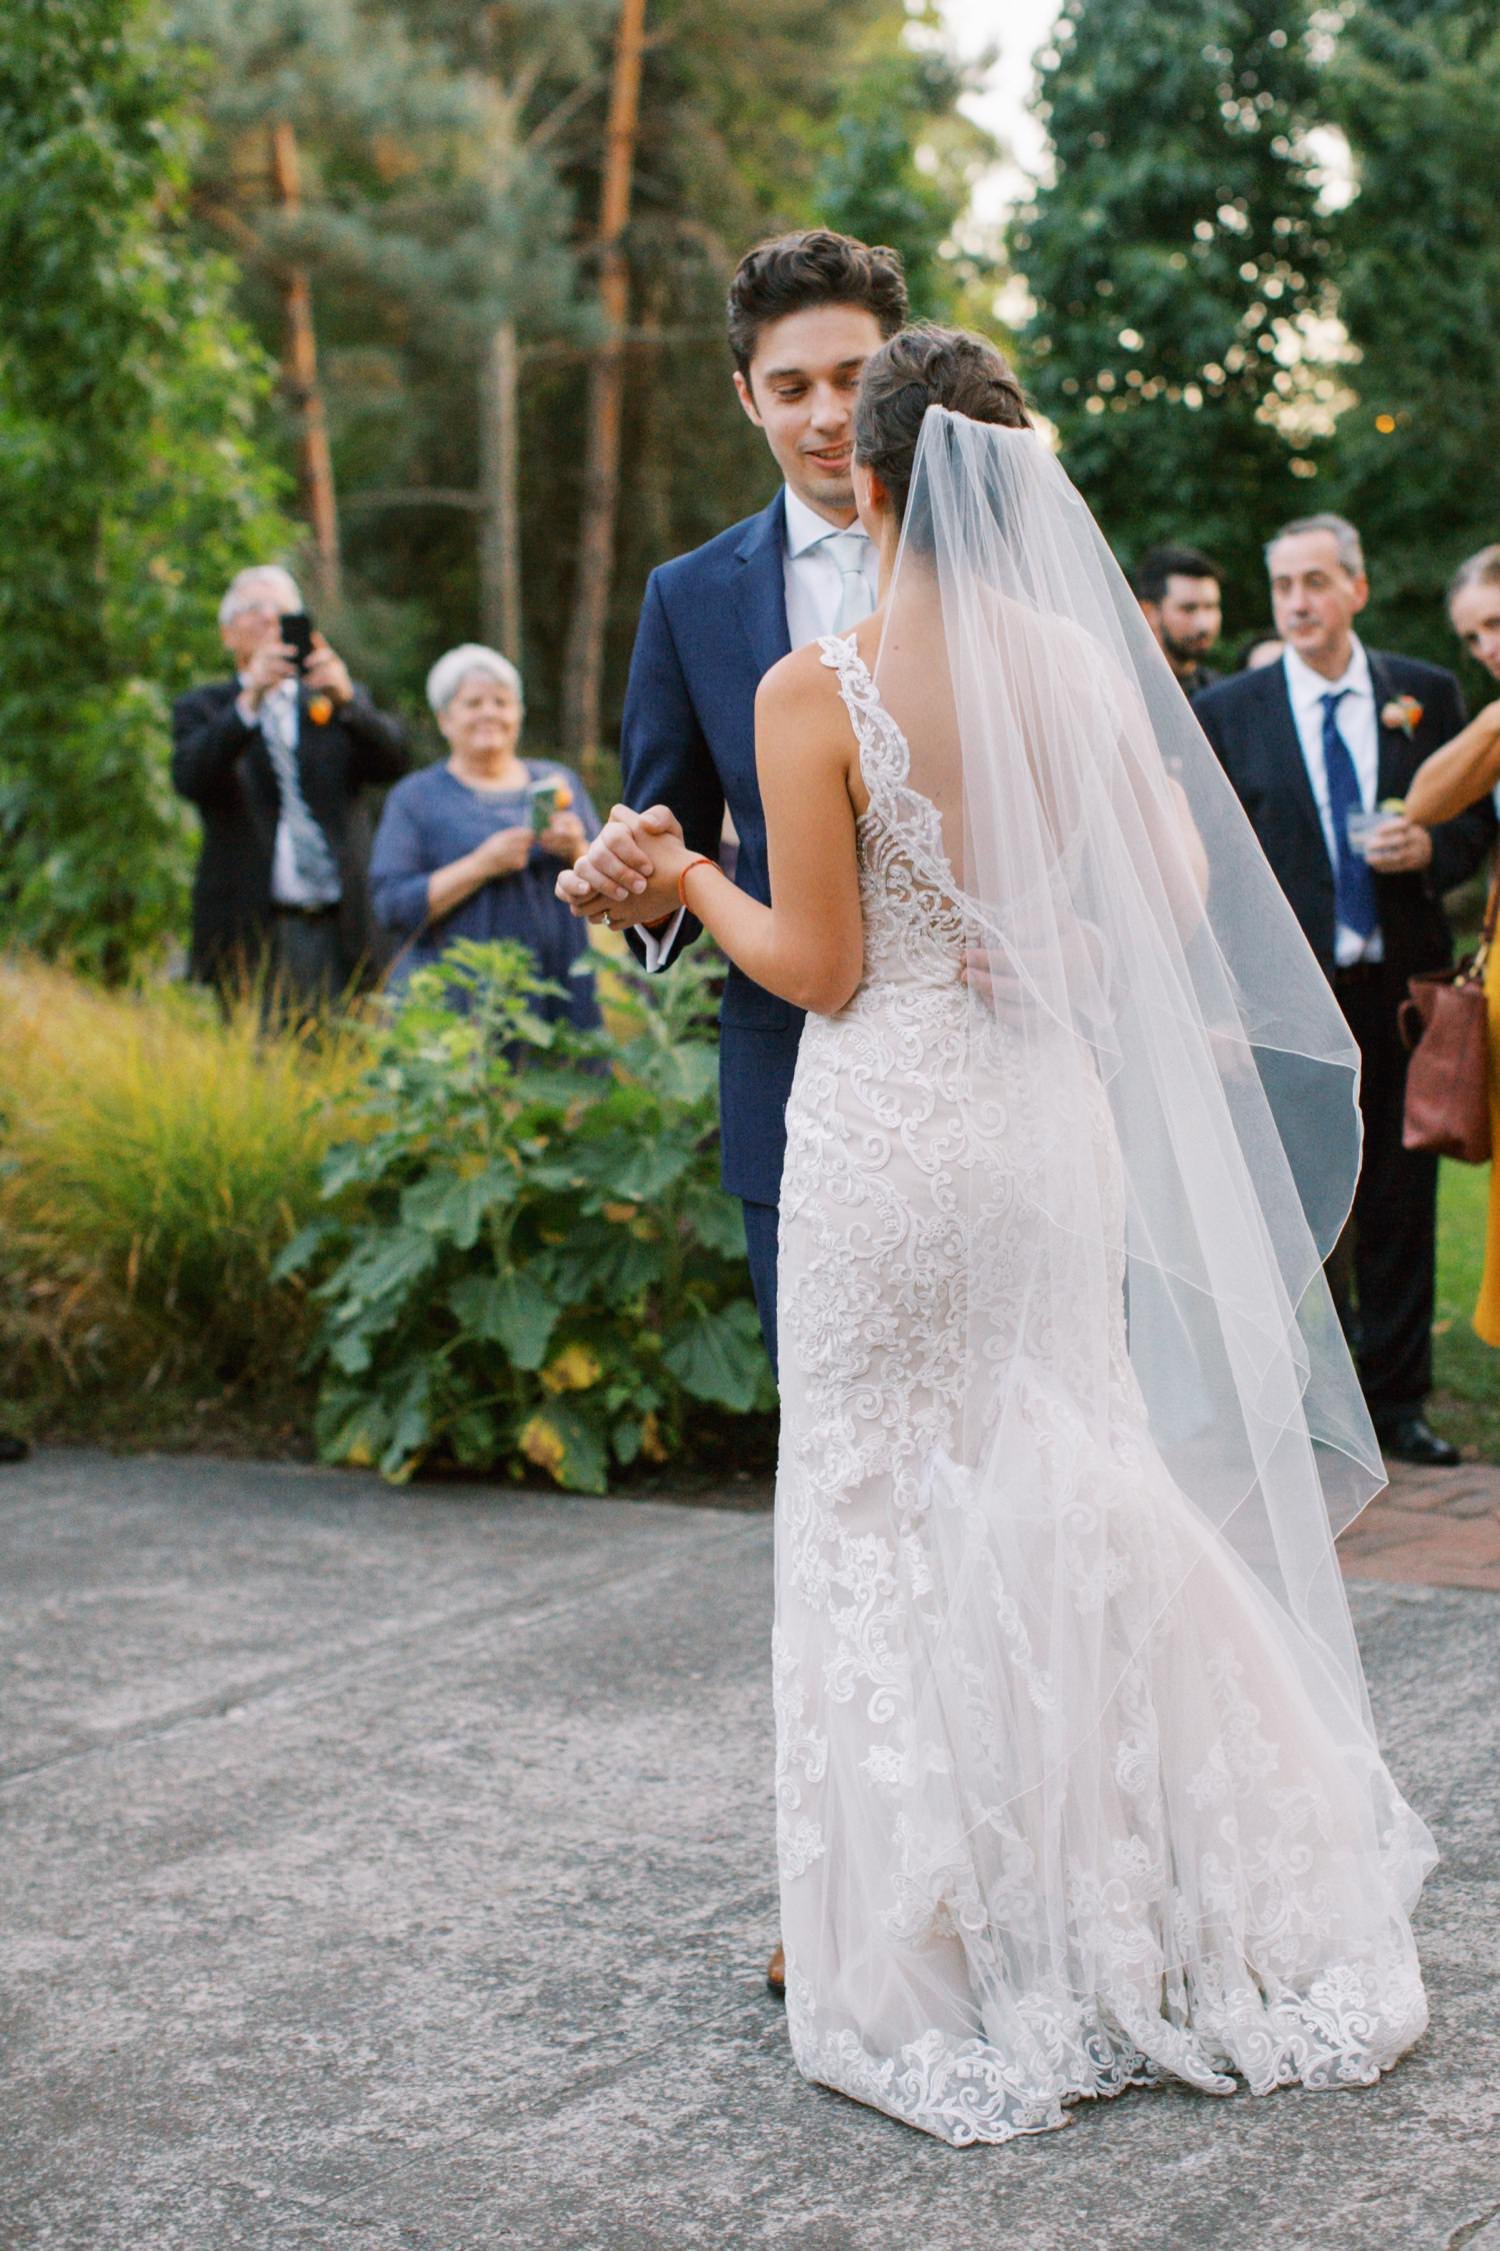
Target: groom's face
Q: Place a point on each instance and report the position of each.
(800, 391)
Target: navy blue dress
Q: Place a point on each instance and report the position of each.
(432, 818)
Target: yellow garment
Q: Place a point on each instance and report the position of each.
(1487, 1311)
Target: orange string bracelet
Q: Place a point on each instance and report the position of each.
(702, 861)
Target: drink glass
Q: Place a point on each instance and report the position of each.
(1361, 826)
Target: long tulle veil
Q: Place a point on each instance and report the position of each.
(1138, 952)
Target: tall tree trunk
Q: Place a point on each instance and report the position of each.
(652, 515)
(584, 671)
(300, 374)
(500, 522)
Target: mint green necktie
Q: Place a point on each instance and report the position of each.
(849, 550)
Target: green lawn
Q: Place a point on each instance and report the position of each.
(1466, 1402)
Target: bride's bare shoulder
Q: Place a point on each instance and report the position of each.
(801, 687)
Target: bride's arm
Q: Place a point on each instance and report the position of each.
(808, 948)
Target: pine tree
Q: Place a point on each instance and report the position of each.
(1172, 259)
(1415, 85)
(130, 485)
(424, 233)
(583, 669)
(450, 266)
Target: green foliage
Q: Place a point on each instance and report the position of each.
(1466, 1403)
(424, 223)
(154, 1160)
(1416, 87)
(526, 1257)
(1171, 259)
(903, 160)
(130, 484)
(451, 162)
(418, 206)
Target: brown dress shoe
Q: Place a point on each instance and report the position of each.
(776, 1975)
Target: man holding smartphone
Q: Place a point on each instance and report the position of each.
(275, 761)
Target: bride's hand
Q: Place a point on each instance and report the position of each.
(617, 865)
(629, 873)
(658, 833)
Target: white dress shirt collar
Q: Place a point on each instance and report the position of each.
(1355, 719)
(805, 527)
(1308, 688)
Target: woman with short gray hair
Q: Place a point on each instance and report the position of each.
(470, 848)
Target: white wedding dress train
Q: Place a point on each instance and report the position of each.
(1057, 1810)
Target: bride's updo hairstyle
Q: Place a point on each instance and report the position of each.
(921, 367)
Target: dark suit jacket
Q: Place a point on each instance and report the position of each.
(712, 625)
(1249, 721)
(223, 768)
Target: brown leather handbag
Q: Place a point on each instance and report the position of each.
(1445, 1024)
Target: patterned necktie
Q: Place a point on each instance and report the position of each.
(1354, 886)
(312, 855)
(849, 550)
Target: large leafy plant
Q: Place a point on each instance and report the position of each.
(527, 1259)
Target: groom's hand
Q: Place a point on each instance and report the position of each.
(999, 980)
(615, 879)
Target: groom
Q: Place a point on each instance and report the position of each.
(805, 313)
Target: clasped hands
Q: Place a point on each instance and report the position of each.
(629, 873)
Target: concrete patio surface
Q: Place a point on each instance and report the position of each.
(394, 1870)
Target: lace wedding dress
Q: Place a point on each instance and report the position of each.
(1060, 1810)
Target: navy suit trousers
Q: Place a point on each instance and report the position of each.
(761, 1223)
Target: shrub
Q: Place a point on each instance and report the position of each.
(528, 1259)
(131, 483)
(156, 1160)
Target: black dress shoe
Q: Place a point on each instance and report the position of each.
(1410, 1440)
(12, 1449)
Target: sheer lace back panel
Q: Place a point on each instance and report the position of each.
(916, 924)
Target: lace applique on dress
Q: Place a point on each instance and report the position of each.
(1199, 1890)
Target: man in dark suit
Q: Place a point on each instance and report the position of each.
(1178, 590)
(275, 763)
(1332, 732)
(805, 313)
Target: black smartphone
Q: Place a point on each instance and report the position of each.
(297, 632)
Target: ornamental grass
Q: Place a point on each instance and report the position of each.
(155, 1160)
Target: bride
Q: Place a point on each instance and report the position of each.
(1077, 1785)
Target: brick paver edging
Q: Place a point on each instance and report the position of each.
(1430, 1528)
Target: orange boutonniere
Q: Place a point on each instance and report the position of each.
(1404, 712)
(320, 710)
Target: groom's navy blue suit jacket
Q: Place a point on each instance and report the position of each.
(712, 625)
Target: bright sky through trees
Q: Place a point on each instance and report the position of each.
(1018, 28)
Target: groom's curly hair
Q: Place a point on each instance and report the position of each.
(816, 267)
(928, 366)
